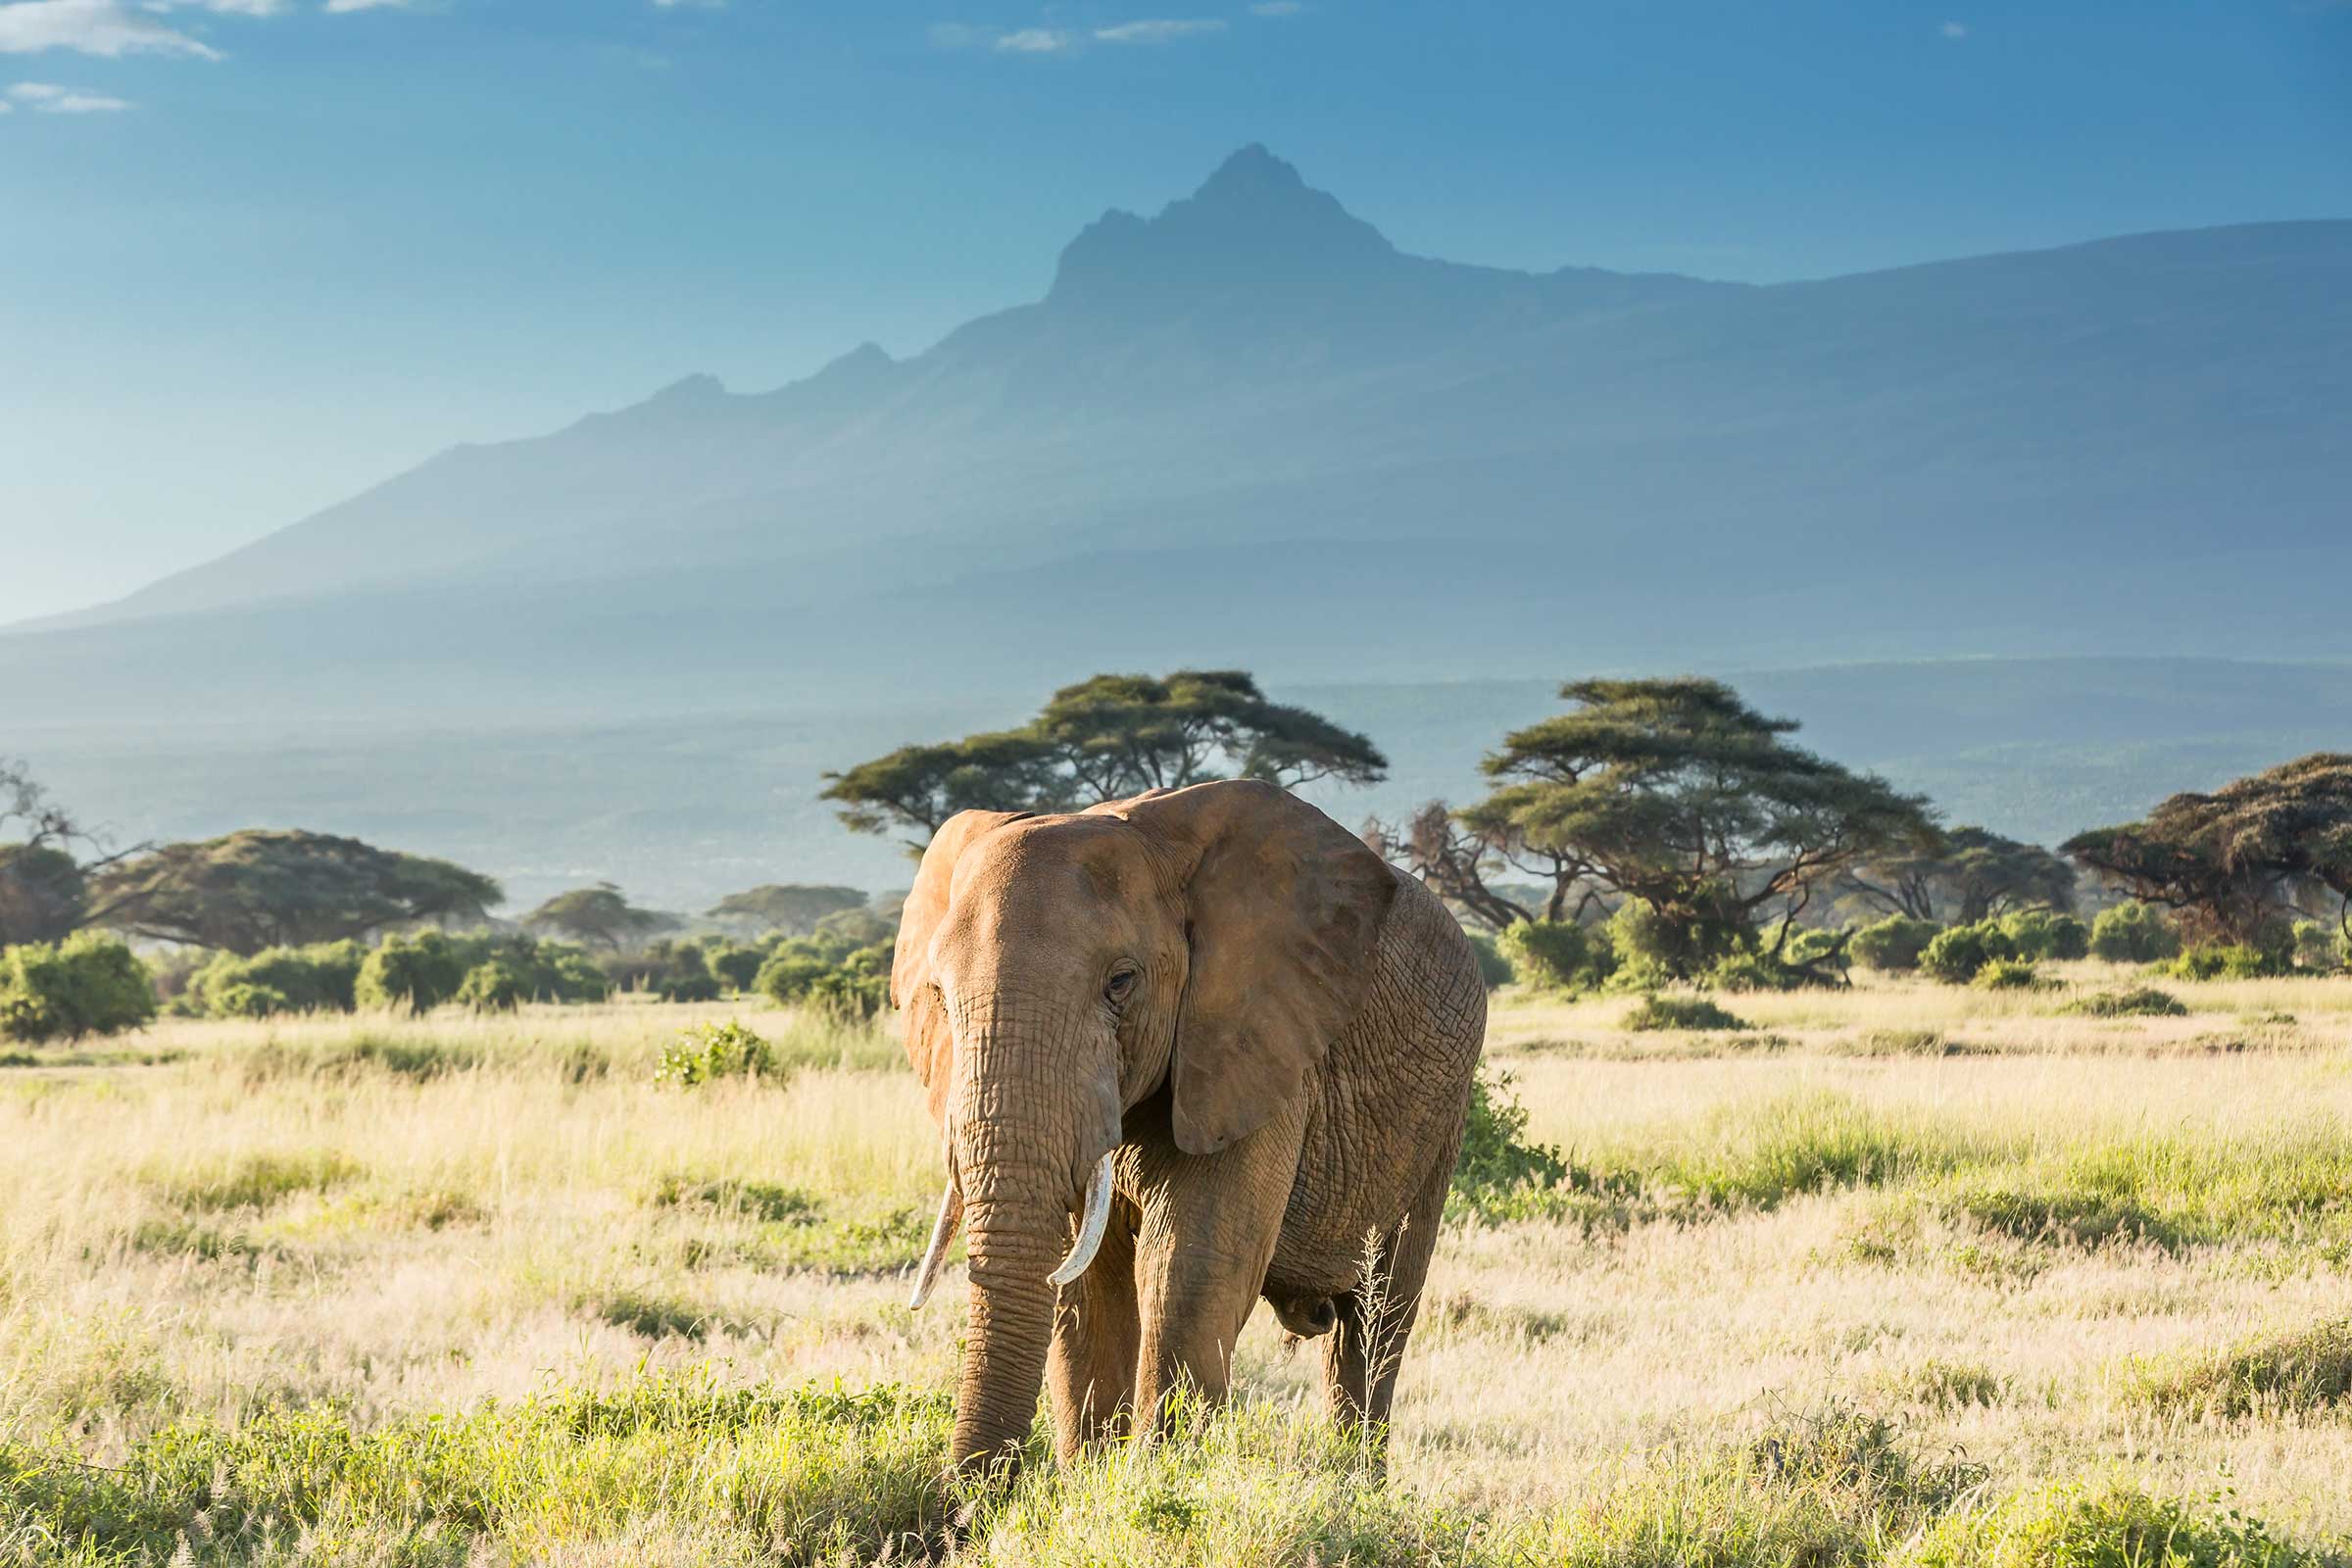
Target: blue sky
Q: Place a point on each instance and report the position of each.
(257, 253)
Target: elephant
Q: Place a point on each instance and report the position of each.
(1205, 1047)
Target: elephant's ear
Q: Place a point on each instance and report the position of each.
(930, 1039)
(1284, 908)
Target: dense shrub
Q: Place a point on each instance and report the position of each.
(1955, 956)
(413, 974)
(1893, 943)
(496, 986)
(2039, 936)
(674, 971)
(1557, 954)
(2140, 1001)
(88, 985)
(2235, 961)
(1681, 1012)
(2134, 933)
(2006, 974)
(821, 972)
(1497, 1158)
(1651, 950)
(2321, 949)
(1494, 969)
(322, 977)
(736, 964)
(714, 1051)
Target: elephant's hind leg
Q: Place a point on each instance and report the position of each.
(1360, 1359)
(1097, 1337)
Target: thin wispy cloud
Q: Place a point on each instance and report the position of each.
(339, 7)
(1068, 40)
(1160, 30)
(47, 98)
(1038, 41)
(103, 27)
(1955, 29)
(1277, 8)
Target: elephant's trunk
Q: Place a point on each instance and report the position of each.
(1030, 1119)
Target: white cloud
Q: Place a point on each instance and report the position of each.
(1955, 29)
(47, 98)
(698, 5)
(91, 27)
(1159, 30)
(1038, 41)
(340, 6)
(1277, 8)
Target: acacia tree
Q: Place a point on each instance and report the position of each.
(792, 908)
(1456, 861)
(600, 915)
(2236, 863)
(270, 887)
(1676, 793)
(1967, 875)
(1103, 739)
(46, 864)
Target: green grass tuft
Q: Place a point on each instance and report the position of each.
(2303, 1372)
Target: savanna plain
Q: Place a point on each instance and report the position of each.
(1901, 1274)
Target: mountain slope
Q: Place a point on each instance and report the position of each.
(1249, 430)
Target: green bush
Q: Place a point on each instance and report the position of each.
(2321, 949)
(2233, 961)
(736, 965)
(496, 986)
(1494, 969)
(2007, 974)
(714, 1051)
(1497, 1158)
(242, 999)
(1893, 943)
(415, 974)
(2134, 933)
(1955, 956)
(1650, 950)
(412, 974)
(319, 978)
(1681, 1012)
(88, 985)
(1557, 954)
(2140, 1001)
(2039, 936)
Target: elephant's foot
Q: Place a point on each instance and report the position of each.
(1306, 1317)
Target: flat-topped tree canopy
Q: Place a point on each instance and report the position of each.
(282, 887)
(1103, 739)
(1676, 793)
(2238, 860)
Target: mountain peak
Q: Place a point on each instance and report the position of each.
(1253, 172)
(1253, 224)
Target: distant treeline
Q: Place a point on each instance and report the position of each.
(1656, 832)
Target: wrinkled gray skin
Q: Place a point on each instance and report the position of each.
(1273, 1029)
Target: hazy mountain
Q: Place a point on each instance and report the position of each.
(1249, 431)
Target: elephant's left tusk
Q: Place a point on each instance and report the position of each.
(943, 1235)
(1090, 1231)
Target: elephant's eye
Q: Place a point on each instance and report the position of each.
(1115, 990)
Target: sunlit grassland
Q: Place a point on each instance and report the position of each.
(1909, 1274)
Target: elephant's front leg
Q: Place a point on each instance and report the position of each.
(1210, 1224)
(1090, 1372)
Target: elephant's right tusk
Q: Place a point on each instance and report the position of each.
(1089, 1232)
(943, 1235)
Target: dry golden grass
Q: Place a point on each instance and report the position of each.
(1995, 1256)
